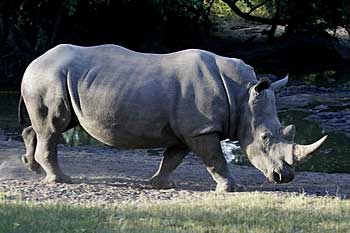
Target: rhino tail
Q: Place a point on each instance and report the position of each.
(21, 119)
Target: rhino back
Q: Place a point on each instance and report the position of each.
(129, 99)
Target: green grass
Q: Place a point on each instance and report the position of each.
(243, 212)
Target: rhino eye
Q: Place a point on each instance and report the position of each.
(263, 136)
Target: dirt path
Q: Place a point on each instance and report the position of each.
(103, 176)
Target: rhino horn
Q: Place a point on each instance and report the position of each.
(303, 152)
(280, 83)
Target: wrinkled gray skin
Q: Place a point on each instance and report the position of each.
(184, 101)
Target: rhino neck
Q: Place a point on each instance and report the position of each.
(236, 94)
(242, 119)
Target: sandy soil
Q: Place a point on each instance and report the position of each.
(102, 175)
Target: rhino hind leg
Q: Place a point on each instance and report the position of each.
(48, 122)
(46, 155)
(30, 141)
(173, 156)
(208, 148)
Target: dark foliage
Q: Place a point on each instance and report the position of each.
(30, 27)
(311, 16)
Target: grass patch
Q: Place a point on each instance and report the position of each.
(244, 212)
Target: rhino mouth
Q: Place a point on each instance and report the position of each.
(284, 175)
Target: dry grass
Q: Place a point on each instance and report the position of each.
(242, 212)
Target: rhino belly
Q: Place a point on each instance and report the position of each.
(124, 121)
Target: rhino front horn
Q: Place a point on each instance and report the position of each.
(303, 152)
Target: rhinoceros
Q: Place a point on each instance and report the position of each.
(183, 101)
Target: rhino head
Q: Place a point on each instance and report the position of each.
(268, 145)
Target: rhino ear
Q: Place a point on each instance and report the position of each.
(289, 132)
(263, 84)
(279, 84)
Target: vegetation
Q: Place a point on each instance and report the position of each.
(313, 16)
(30, 27)
(245, 212)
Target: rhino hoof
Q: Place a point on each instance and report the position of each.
(32, 165)
(161, 183)
(222, 188)
(239, 188)
(57, 179)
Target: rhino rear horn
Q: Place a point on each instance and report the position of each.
(303, 152)
(279, 84)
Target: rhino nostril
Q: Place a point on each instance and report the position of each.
(277, 177)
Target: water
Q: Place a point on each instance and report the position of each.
(312, 120)
(334, 154)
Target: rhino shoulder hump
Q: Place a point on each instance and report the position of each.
(245, 71)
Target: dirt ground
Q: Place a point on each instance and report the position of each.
(102, 175)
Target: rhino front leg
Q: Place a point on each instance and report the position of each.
(173, 156)
(208, 148)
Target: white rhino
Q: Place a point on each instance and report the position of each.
(183, 101)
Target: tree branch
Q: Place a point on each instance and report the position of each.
(209, 8)
(257, 6)
(237, 11)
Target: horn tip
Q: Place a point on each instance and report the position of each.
(324, 138)
(303, 152)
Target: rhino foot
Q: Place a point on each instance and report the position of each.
(229, 187)
(239, 188)
(53, 179)
(32, 165)
(222, 188)
(159, 183)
